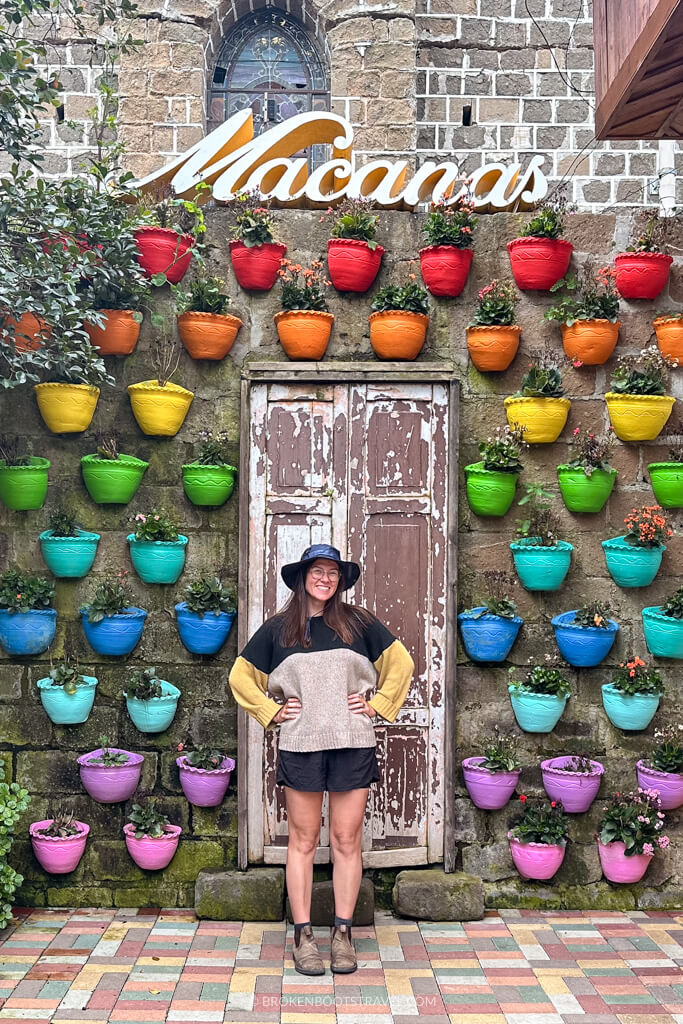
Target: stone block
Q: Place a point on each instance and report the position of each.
(492, 862)
(79, 896)
(322, 904)
(432, 895)
(253, 895)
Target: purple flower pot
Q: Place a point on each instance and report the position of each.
(536, 860)
(489, 790)
(576, 791)
(204, 787)
(617, 867)
(58, 855)
(669, 785)
(114, 784)
(152, 854)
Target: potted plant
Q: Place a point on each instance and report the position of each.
(629, 834)
(538, 408)
(489, 630)
(68, 550)
(447, 257)
(669, 333)
(67, 402)
(159, 405)
(353, 255)
(540, 256)
(539, 699)
(59, 842)
(113, 325)
(210, 479)
(27, 331)
(632, 698)
(643, 270)
(491, 779)
(27, 623)
(637, 403)
(588, 316)
(168, 233)
(541, 559)
(254, 254)
(151, 702)
(150, 839)
(66, 694)
(633, 559)
(538, 840)
(206, 615)
(110, 477)
(23, 477)
(666, 478)
(493, 335)
(204, 774)
(206, 328)
(662, 771)
(663, 627)
(491, 482)
(585, 635)
(110, 775)
(572, 780)
(399, 321)
(157, 550)
(111, 623)
(304, 323)
(587, 481)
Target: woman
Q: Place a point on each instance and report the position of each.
(320, 658)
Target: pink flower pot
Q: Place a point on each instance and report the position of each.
(152, 854)
(617, 867)
(204, 787)
(489, 790)
(669, 785)
(576, 791)
(536, 860)
(110, 785)
(58, 855)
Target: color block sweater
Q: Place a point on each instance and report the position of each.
(322, 676)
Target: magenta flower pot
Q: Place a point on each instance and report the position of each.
(489, 790)
(536, 860)
(114, 784)
(152, 854)
(576, 791)
(58, 855)
(669, 785)
(617, 867)
(205, 787)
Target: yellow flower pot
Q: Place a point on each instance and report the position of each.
(159, 411)
(638, 417)
(542, 419)
(66, 408)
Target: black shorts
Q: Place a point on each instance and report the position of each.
(337, 771)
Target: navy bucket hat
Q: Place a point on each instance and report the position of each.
(350, 571)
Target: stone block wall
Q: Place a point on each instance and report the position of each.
(43, 757)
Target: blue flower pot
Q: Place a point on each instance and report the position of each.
(115, 634)
(631, 712)
(29, 632)
(583, 647)
(488, 637)
(68, 708)
(630, 565)
(541, 568)
(69, 557)
(663, 633)
(203, 634)
(156, 714)
(536, 712)
(158, 561)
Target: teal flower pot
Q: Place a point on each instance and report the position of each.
(667, 483)
(489, 492)
(156, 714)
(541, 568)
(582, 493)
(68, 708)
(69, 557)
(631, 712)
(663, 633)
(630, 565)
(536, 712)
(158, 561)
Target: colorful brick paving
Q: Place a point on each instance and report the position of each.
(514, 967)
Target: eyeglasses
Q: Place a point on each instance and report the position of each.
(323, 574)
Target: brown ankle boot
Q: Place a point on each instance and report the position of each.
(342, 954)
(307, 959)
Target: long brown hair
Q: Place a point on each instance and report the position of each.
(346, 620)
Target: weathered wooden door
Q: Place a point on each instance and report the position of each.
(367, 463)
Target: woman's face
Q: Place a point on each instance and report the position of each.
(322, 579)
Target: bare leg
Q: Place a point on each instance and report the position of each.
(346, 826)
(304, 814)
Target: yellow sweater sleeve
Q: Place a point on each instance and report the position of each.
(249, 687)
(395, 668)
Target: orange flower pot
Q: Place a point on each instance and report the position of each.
(120, 333)
(208, 335)
(669, 331)
(590, 342)
(29, 331)
(396, 334)
(493, 348)
(304, 333)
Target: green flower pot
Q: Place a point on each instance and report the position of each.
(489, 492)
(208, 485)
(112, 481)
(582, 493)
(69, 557)
(667, 483)
(24, 487)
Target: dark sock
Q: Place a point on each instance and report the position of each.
(297, 930)
(339, 921)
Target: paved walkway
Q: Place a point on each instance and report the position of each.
(514, 967)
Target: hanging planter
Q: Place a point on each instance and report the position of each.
(256, 268)
(669, 333)
(164, 251)
(641, 275)
(572, 781)
(542, 419)
(204, 787)
(629, 565)
(203, 634)
(67, 696)
(119, 335)
(629, 711)
(445, 269)
(352, 264)
(629, 834)
(584, 646)
(159, 410)
(617, 867)
(158, 561)
(150, 839)
(112, 481)
(537, 861)
(590, 342)
(58, 854)
(638, 417)
(110, 775)
(669, 785)
(117, 633)
(446, 259)
(208, 335)
(666, 479)
(399, 321)
(493, 348)
(539, 263)
(30, 332)
(541, 567)
(663, 627)
(66, 408)
(490, 790)
(69, 557)
(582, 493)
(24, 487)
(538, 840)
(489, 492)
(154, 713)
(304, 333)
(536, 712)
(486, 637)
(27, 625)
(208, 485)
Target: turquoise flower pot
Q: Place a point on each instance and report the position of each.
(631, 712)
(630, 565)
(68, 708)
(663, 633)
(541, 568)
(156, 714)
(536, 712)
(69, 557)
(158, 561)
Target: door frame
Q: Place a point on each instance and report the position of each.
(350, 373)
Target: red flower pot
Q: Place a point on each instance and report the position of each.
(641, 275)
(256, 269)
(162, 251)
(445, 269)
(539, 263)
(352, 264)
